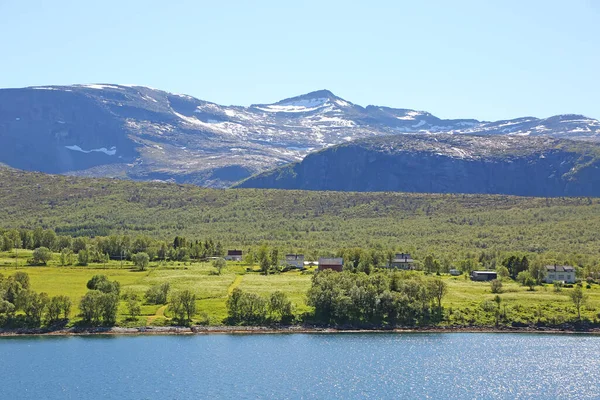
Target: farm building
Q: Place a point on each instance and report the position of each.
(336, 264)
(403, 261)
(484, 275)
(561, 273)
(234, 255)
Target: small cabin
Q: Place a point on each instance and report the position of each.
(484, 275)
(234, 255)
(335, 264)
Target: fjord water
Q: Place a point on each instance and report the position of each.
(327, 366)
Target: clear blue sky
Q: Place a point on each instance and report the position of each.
(480, 59)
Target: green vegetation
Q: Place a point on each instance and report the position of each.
(102, 252)
(454, 227)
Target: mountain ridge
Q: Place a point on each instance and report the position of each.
(443, 163)
(141, 133)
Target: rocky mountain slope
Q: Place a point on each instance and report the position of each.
(142, 133)
(444, 163)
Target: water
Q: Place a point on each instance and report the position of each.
(326, 366)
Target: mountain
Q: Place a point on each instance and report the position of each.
(445, 163)
(135, 132)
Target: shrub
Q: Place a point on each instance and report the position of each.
(496, 286)
(558, 285)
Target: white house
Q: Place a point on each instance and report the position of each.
(561, 273)
(294, 260)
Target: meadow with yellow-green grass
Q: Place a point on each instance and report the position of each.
(462, 303)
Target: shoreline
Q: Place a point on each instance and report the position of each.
(298, 329)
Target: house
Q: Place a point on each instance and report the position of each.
(403, 261)
(336, 264)
(234, 255)
(294, 260)
(484, 275)
(561, 273)
(455, 272)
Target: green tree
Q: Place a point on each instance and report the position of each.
(41, 255)
(219, 264)
(59, 306)
(579, 299)
(183, 305)
(429, 264)
(158, 294)
(496, 286)
(502, 272)
(141, 261)
(439, 289)
(133, 306)
(33, 305)
(101, 283)
(279, 306)
(83, 257)
(66, 257)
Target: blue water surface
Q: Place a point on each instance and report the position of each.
(295, 366)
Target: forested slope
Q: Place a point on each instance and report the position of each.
(456, 225)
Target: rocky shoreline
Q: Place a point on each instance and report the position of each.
(202, 330)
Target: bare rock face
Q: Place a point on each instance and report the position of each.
(134, 132)
(446, 164)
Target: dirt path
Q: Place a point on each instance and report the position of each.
(236, 282)
(160, 313)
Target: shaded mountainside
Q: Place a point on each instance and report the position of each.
(135, 132)
(441, 163)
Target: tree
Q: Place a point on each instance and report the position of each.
(183, 305)
(279, 306)
(41, 255)
(66, 257)
(91, 307)
(83, 257)
(101, 283)
(579, 299)
(274, 258)
(219, 264)
(133, 306)
(57, 307)
(22, 278)
(496, 286)
(438, 288)
(498, 301)
(525, 279)
(158, 294)
(502, 272)
(79, 244)
(429, 264)
(141, 260)
(33, 305)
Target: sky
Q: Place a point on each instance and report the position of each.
(456, 59)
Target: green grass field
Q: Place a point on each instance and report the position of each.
(462, 301)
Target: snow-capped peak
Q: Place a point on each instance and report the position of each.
(308, 102)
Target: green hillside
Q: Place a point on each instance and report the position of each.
(452, 226)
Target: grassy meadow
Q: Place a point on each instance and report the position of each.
(462, 302)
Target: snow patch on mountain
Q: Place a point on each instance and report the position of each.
(110, 152)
